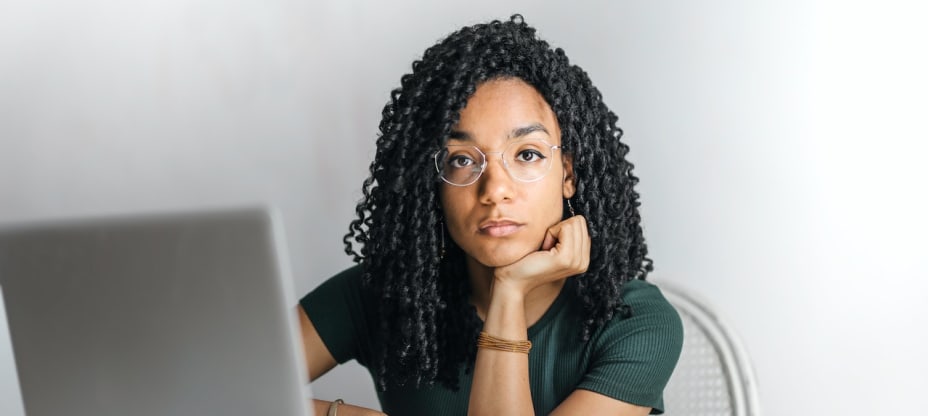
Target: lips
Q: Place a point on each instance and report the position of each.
(499, 228)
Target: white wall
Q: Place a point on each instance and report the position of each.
(779, 146)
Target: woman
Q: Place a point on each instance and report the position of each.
(501, 257)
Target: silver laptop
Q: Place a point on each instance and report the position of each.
(167, 315)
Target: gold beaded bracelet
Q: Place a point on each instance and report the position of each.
(486, 340)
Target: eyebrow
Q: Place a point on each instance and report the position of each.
(531, 128)
(514, 134)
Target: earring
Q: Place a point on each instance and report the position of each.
(571, 208)
(441, 255)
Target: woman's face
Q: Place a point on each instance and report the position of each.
(498, 219)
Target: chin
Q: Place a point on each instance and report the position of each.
(502, 256)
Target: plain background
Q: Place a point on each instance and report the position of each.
(780, 146)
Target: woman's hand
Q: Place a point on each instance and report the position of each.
(565, 252)
(321, 408)
(500, 384)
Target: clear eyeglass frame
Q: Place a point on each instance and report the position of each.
(480, 167)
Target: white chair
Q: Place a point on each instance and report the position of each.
(714, 376)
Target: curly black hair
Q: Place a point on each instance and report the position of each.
(428, 327)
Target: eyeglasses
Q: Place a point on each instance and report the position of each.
(525, 160)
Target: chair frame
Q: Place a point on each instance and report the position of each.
(734, 358)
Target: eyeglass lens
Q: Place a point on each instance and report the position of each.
(525, 160)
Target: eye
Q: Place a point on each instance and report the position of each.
(529, 155)
(460, 161)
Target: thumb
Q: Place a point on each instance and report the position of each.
(551, 237)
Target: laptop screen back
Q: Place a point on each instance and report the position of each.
(180, 314)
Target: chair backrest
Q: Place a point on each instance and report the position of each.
(714, 376)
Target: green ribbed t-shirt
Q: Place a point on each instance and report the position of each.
(629, 359)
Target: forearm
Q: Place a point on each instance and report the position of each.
(321, 408)
(501, 380)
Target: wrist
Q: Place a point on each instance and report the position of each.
(333, 407)
(505, 286)
(506, 292)
(506, 312)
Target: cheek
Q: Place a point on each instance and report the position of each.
(551, 199)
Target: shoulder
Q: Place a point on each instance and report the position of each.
(648, 303)
(651, 333)
(652, 323)
(633, 356)
(342, 290)
(343, 314)
(333, 291)
(350, 276)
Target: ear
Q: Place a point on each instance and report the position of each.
(569, 185)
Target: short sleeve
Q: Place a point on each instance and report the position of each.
(337, 310)
(633, 357)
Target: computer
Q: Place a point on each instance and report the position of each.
(168, 315)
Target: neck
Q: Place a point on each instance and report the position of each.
(537, 301)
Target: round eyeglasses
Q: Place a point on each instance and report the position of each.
(525, 160)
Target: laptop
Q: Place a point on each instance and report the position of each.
(167, 315)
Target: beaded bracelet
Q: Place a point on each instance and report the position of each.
(486, 340)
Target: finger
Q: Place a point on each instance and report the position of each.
(579, 237)
(569, 244)
(550, 240)
(553, 236)
(580, 244)
(587, 244)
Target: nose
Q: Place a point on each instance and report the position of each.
(495, 184)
